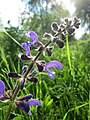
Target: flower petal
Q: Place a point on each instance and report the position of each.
(55, 64)
(27, 48)
(30, 43)
(29, 113)
(2, 88)
(32, 35)
(34, 102)
(23, 106)
(2, 97)
(51, 74)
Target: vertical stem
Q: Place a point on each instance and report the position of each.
(68, 52)
(12, 102)
(72, 74)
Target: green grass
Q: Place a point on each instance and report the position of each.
(66, 97)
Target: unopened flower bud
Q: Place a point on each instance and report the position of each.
(60, 43)
(76, 20)
(47, 35)
(49, 52)
(71, 30)
(31, 79)
(24, 57)
(77, 25)
(24, 69)
(54, 26)
(66, 20)
(40, 65)
(14, 75)
(26, 97)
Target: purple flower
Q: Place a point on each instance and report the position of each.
(27, 48)
(55, 64)
(33, 36)
(28, 44)
(25, 105)
(2, 88)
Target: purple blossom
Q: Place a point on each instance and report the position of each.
(27, 48)
(28, 44)
(55, 64)
(2, 88)
(33, 36)
(25, 105)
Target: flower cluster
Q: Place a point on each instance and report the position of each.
(23, 103)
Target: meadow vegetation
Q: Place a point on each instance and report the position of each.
(66, 97)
